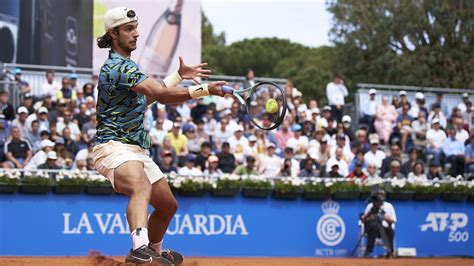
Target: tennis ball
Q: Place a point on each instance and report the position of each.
(271, 106)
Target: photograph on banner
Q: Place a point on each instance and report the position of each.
(167, 28)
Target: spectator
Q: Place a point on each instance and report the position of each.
(67, 122)
(53, 115)
(468, 117)
(81, 99)
(166, 165)
(66, 92)
(334, 170)
(89, 90)
(358, 172)
(222, 132)
(50, 87)
(462, 105)
(310, 168)
(237, 143)
(327, 120)
(251, 149)
(336, 91)
(323, 153)
(434, 171)
(394, 171)
(41, 116)
(210, 123)
(395, 154)
(407, 167)
(403, 100)
(89, 129)
(178, 140)
(69, 143)
(64, 158)
(33, 136)
(418, 174)
(420, 127)
(283, 134)
(346, 126)
(403, 126)
(249, 78)
(343, 168)
(299, 142)
(419, 106)
(82, 155)
(198, 111)
(73, 81)
(341, 142)
(50, 163)
(23, 86)
(6, 109)
(384, 119)
(248, 169)
(441, 103)
(189, 169)
(17, 151)
(294, 169)
(461, 134)
(194, 143)
(227, 161)
(359, 158)
(213, 169)
(202, 155)
(166, 147)
(454, 150)
(469, 157)
(374, 155)
(372, 175)
(286, 168)
(361, 142)
(20, 121)
(262, 142)
(40, 156)
(269, 165)
(369, 110)
(200, 133)
(81, 118)
(437, 113)
(435, 137)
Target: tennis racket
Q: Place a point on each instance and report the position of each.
(265, 103)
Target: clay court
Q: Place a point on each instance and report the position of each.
(242, 261)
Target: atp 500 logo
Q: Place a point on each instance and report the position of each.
(455, 222)
(330, 228)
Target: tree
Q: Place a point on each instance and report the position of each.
(427, 43)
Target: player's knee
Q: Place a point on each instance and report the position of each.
(141, 188)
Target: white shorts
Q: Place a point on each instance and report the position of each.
(112, 154)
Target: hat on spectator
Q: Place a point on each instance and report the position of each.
(302, 108)
(419, 96)
(205, 144)
(334, 164)
(176, 124)
(46, 143)
(79, 90)
(296, 93)
(270, 145)
(213, 159)
(190, 158)
(346, 118)
(28, 95)
(17, 71)
(52, 155)
(465, 95)
(22, 109)
(374, 141)
(239, 128)
(401, 93)
(327, 108)
(433, 163)
(43, 110)
(323, 123)
(252, 138)
(315, 110)
(326, 139)
(372, 91)
(60, 140)
(395, 163)
(313, 154)
(296, 127)
(118, 16)
(435, 121)
(73, 76)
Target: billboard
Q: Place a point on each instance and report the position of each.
(168, 29)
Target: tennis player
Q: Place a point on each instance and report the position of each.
(124, 94)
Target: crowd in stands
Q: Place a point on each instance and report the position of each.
(213, 136)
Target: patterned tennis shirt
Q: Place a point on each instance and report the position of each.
(120, 111)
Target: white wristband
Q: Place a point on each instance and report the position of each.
(172, 80)
(198, 91)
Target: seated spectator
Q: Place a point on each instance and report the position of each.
(468, 117)
(384, 119)
(89, 129)
(369, 111)
(469, 157)
(6, 108)
(283, 134)
(453, 150)
(372, 175)
(20, 121)
(64, 160)
(210, 123)
(394, 155)
(394, 171)
(166, 165)
(358, 172)
(334, 170)
(248, 169)
(81, 118)
(189, 169)
(50, 163)
(434, 171)
(34, 137)
(73, 127)
(435, 137)
(461, 134)
(310, 168)
(178, 140)
(420, 127)
(83, 154)
(413, 157)
(286, 168)
(346, 126)
(342, 167)
(203, 154)
(194, 143)
(419, 106)
(418, 174)
(69, 143)
(359, 158)
(28, 103)
(462, 105)
(342, 141)
(237, 143)
(323, 152)
(361, 142)
(299, 142)
(269, 165)
(17, 151)
(166, 146)
(40, 156)
(66, 92)
(50, 87)
(294, 169)
(222, 132)
(213, 168)
(200, 132)
(437, 113)
(251, 149)
(42, 118)
(227, 161)
(403, 126)
(374, 155)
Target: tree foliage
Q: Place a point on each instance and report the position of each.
(409, 42)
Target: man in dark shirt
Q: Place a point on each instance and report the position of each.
(18, 151)
(202, 156)
(5, 107)
(50, 163)
(69, 143)
(226, 159)
(394, 155)
(166, 165)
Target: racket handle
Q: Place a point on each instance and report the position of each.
(227, 89)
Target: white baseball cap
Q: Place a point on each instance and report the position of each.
(22, 109)
(434, 121)
(403, 93)
(52, 155)
(118, 16)
(46, 143)
(419, 96)
(372, 91)
(43, 110)
(346, 118)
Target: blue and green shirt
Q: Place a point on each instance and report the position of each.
(120, 111)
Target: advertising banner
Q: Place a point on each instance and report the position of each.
(76, 224)
(167, 28)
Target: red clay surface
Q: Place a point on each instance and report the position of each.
(240, 261)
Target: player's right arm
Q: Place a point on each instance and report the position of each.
(155, 91)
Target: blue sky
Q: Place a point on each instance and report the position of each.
(302, 21)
